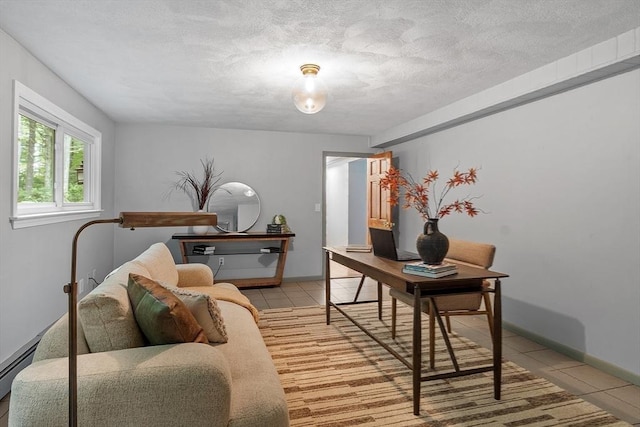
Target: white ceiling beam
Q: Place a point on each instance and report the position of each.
(614, 56)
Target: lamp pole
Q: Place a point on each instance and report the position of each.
(71, 289)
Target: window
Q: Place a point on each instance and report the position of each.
(57, 163)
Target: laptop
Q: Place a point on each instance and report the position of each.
(384, 245)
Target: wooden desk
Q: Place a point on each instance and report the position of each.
(468, 279)
(269, 239)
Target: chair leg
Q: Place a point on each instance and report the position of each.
(448, 319)
(379, 300)
(393, 317)
(487, 309)
(432, 338)
(359, 288)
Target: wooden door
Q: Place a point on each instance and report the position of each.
(378, 203)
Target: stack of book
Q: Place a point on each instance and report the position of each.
(270, 250)
(432, 271)
(203, 250)
(359, 248)
(274, 228)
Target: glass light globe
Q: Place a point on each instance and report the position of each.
(309, 91)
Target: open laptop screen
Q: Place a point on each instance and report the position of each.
(384, 245)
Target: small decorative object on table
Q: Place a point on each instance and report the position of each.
(199, 191)
(278, 225)
(432, 245)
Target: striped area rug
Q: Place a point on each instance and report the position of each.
(337, 376)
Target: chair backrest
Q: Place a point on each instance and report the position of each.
(472, 253)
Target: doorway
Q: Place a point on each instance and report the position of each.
(345, 203)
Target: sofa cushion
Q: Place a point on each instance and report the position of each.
(206, 311)
(158, 261)
(257, 397)
(106, 315)
(195, 274)
(162, 317)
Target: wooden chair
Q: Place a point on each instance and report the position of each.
(460, 252)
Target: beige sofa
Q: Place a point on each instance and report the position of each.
(123, 382)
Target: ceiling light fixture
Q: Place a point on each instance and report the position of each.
(309, 91)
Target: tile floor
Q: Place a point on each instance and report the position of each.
(606, 391)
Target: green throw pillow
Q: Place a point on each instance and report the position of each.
(161, 316)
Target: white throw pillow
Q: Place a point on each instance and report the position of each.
(206, 311)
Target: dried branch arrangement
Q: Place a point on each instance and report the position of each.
(199, 190)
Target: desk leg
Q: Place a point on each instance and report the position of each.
(417, 349)
(183, 250)
(497, 340)
(282, 259)
(327, 287)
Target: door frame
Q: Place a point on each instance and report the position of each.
(325, 154)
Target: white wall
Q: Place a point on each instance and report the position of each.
(337, 209)
(358, 230)
(285, 169)
(35, 262)
(560, 184)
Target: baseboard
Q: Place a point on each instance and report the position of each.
(14, 364)
(580, 356)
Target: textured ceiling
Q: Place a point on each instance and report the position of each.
(232, 63)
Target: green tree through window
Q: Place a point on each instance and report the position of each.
(36, 168)
(74, 163)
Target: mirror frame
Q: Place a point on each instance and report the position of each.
(236, 197)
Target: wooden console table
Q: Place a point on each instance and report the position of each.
(281, 241)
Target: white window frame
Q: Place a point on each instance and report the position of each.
(29, 103)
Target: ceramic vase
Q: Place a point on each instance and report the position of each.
(432, 245)
(200, 229)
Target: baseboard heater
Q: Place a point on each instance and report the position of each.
(15, 363)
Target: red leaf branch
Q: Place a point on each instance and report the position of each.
(417, 195)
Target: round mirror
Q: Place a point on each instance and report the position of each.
(236, 205)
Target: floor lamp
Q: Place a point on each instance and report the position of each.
(130, 220)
